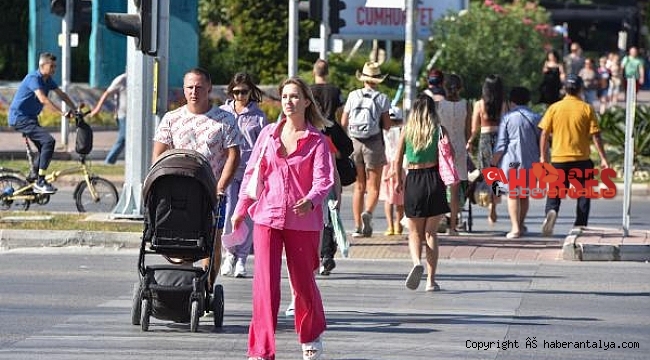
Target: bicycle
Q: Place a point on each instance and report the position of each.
(92, 194)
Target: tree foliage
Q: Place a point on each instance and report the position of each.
(508, 40)
(252, 38)
(13, 48)
(612, 126)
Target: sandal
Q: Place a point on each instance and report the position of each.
(312, 350)
(435, 287)
(513, 235)
(413, 279)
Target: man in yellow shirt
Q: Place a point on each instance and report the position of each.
(573, 126)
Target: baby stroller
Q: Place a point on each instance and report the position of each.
(179, 225)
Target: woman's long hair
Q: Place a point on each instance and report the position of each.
(312, 112)
(493, 97)
(422, 123)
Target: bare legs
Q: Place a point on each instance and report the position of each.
(424, 230)
(393, 218)
(454, 206)
(367, 183)
(517, 209)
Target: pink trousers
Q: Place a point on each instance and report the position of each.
(301, 250)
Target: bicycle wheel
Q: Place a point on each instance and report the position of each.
(106, 196)
(8, 184)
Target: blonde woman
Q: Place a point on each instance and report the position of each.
(298, 172)
(425, 199)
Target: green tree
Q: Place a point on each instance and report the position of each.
(13, 41)
(489, 38)
(250, 36)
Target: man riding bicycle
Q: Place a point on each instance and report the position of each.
(27, 104)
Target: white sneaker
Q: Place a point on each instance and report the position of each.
(240, 269)
(228, 265)
(549, 223)
(290, 312)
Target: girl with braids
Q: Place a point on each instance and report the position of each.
(485, 121)
(425, 198)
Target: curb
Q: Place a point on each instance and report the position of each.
(11, 239)
(574, 249)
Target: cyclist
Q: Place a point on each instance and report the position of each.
(27, 104)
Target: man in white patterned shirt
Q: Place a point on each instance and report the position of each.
(205, 128)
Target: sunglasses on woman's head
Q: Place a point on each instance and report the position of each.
(240, 92)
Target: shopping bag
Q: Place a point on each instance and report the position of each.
(255, 183)
(339, 231)
(446, 167)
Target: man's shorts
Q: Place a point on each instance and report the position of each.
(369, 153)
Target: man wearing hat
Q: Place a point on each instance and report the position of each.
(572, 124)
(365, 114)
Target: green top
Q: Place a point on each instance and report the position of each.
(631, 66)
(429, 154)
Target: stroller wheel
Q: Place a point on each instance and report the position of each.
(217, 305)
(194, 316)
(144, 315)
(136, 309)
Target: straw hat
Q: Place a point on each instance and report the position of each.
(371, 73)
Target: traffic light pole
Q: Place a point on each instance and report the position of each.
(324, 30)
(66, 26)
(146, 101)
(293, 38)
(409, 58)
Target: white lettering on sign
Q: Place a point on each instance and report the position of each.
(386, 16)
(389, 23)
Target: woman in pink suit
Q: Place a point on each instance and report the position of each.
(297, 172)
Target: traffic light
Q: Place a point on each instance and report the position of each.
(57, 7)
(335, 20)
(316, 10)
(82, 14)
(143, 26)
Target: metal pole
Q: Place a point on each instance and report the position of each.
(324, 31)
(141, 115)
(409, 44)
(66, 26)
(293, 38)
(628, 167)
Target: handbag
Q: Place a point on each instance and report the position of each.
(255, 182)
(347, 171)
(446, 167)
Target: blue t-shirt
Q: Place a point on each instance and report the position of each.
(25, 104)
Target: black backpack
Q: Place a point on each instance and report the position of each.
(345, 166)
(84, 142)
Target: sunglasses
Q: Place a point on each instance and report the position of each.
(240, 92)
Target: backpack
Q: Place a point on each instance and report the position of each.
(364, 116)
(84, 141)
(344, 165)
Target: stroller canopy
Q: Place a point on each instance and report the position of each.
(180, 162)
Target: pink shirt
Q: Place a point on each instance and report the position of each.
(307, 172)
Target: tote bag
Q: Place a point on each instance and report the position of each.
(255, 183)
(446, 167)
